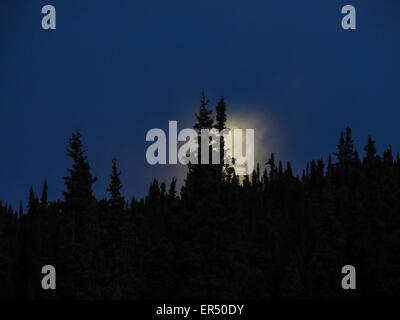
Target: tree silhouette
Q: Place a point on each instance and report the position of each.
(274, 235)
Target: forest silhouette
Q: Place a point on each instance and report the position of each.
(274, 235)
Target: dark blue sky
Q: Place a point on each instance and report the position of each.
(116, 69)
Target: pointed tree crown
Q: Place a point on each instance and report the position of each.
(79, 182)
(221, 114)
(115, 184)
(204, 119)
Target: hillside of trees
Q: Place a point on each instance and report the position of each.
(272, 236)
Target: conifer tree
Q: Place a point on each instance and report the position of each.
(81, 229)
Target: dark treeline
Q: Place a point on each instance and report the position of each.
(273, 235)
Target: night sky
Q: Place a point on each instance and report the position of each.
(116, 69)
